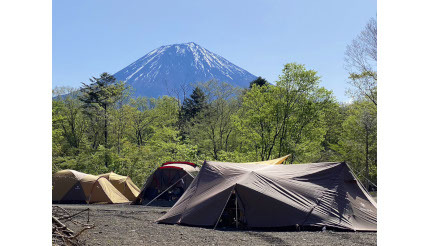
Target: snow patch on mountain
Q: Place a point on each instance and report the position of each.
(171, 66)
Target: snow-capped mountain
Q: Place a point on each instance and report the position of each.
(168, 68)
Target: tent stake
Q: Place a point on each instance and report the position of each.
(165, 190)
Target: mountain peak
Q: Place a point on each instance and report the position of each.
(189, 44)
(170, 67)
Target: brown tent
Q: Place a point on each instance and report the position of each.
(258, 196)
(70, 186)
(123, 184)
(167, 183)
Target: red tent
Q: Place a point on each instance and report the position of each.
(167, 184)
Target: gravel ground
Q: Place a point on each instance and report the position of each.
(134, 225)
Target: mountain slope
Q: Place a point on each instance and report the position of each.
(168, 68)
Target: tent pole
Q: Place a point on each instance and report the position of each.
(165, 190)
(237, 222)
(358, 181)
(363, 176)
(223, 209)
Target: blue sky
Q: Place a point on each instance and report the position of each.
(91, 37)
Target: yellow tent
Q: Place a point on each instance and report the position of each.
(271, 162)
(123, 184)
(70, 186)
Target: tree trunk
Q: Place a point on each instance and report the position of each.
(105, 132)
(367, 159)
(105, 127)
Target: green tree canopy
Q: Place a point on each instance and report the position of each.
(258, 81)
(193, 105)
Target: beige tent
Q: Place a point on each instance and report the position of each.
(260, 196)
(277, 161)
(123, 184)
(70, 186)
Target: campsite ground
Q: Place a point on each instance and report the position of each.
(134, 225)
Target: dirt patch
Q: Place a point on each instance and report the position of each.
(135, 225)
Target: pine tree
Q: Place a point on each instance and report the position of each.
(191, 107)
(258, 81)
(98, 96)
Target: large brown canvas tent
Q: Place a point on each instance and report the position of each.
(70, 186)
(261, 196)
(167, 183)
(123, 184)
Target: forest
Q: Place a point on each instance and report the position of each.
(102, 127)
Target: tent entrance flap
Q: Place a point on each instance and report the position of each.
(75, 195)
(232, 215)
(181, 179)
(163, 178)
